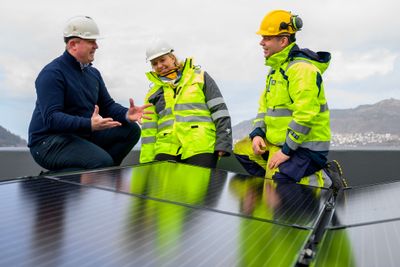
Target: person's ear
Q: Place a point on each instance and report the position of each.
(73, 42)
(284, 41)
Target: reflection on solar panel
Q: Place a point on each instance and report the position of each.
(170, 214)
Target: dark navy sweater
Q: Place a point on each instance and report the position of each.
(66, 96)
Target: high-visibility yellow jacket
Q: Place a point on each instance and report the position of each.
(190, 116)
(293, 110)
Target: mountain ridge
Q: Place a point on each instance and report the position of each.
(8, 139)
(382, 117)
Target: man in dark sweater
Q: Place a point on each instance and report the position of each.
(76, 124)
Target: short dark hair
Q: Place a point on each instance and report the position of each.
(292, 38)
(66, 39)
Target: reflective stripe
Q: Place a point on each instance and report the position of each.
(296, 61)
(313, 180)
(326, 179)
(148, 140)
(220, 114)
(299, 128)
(317, 145)
(166, 124)
(323, 107)
(191, 106)
(149, 125)
(193, 119)
(261, 115)
(312, 145)
(215, 101)
(281, 112)
(165, 112)
(292, 144)
(260, 124)
(316, 179)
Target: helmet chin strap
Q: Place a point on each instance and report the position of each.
(172, 74)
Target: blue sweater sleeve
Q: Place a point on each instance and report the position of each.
(50, 100)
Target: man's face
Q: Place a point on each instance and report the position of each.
(273, 44)
(84, 50)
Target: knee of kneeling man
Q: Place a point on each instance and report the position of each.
(103, 162)
(135, 132)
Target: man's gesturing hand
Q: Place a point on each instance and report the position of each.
(100, 123)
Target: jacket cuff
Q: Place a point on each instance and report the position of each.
(257, 132)
(287, 150)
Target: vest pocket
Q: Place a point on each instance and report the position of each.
(201, 138)
(167, 142)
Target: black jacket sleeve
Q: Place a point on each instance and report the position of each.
(219, 114)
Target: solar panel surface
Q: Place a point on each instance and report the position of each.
(170, 214)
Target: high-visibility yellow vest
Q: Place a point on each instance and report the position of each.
(182, 122)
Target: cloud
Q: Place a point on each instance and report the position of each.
(220, 35)
(18, 76)
(356, 66)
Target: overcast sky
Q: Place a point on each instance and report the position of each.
(363, 37)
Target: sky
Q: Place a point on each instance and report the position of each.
(362, 37)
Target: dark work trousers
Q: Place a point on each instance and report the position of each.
(67, 152)
(299, 165)
(208, 160)
(251, 166)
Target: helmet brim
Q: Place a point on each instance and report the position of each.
(159, 55)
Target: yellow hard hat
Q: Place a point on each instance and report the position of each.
(279, 22)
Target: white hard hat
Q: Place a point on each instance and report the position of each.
(157, 49)
(83, 27)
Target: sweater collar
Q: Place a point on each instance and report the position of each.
(72, 60)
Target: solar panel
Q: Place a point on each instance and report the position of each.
(52, 222)
(215, 190)
(364, 245)
(173, 214)
(364, 230)
(368, 204)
